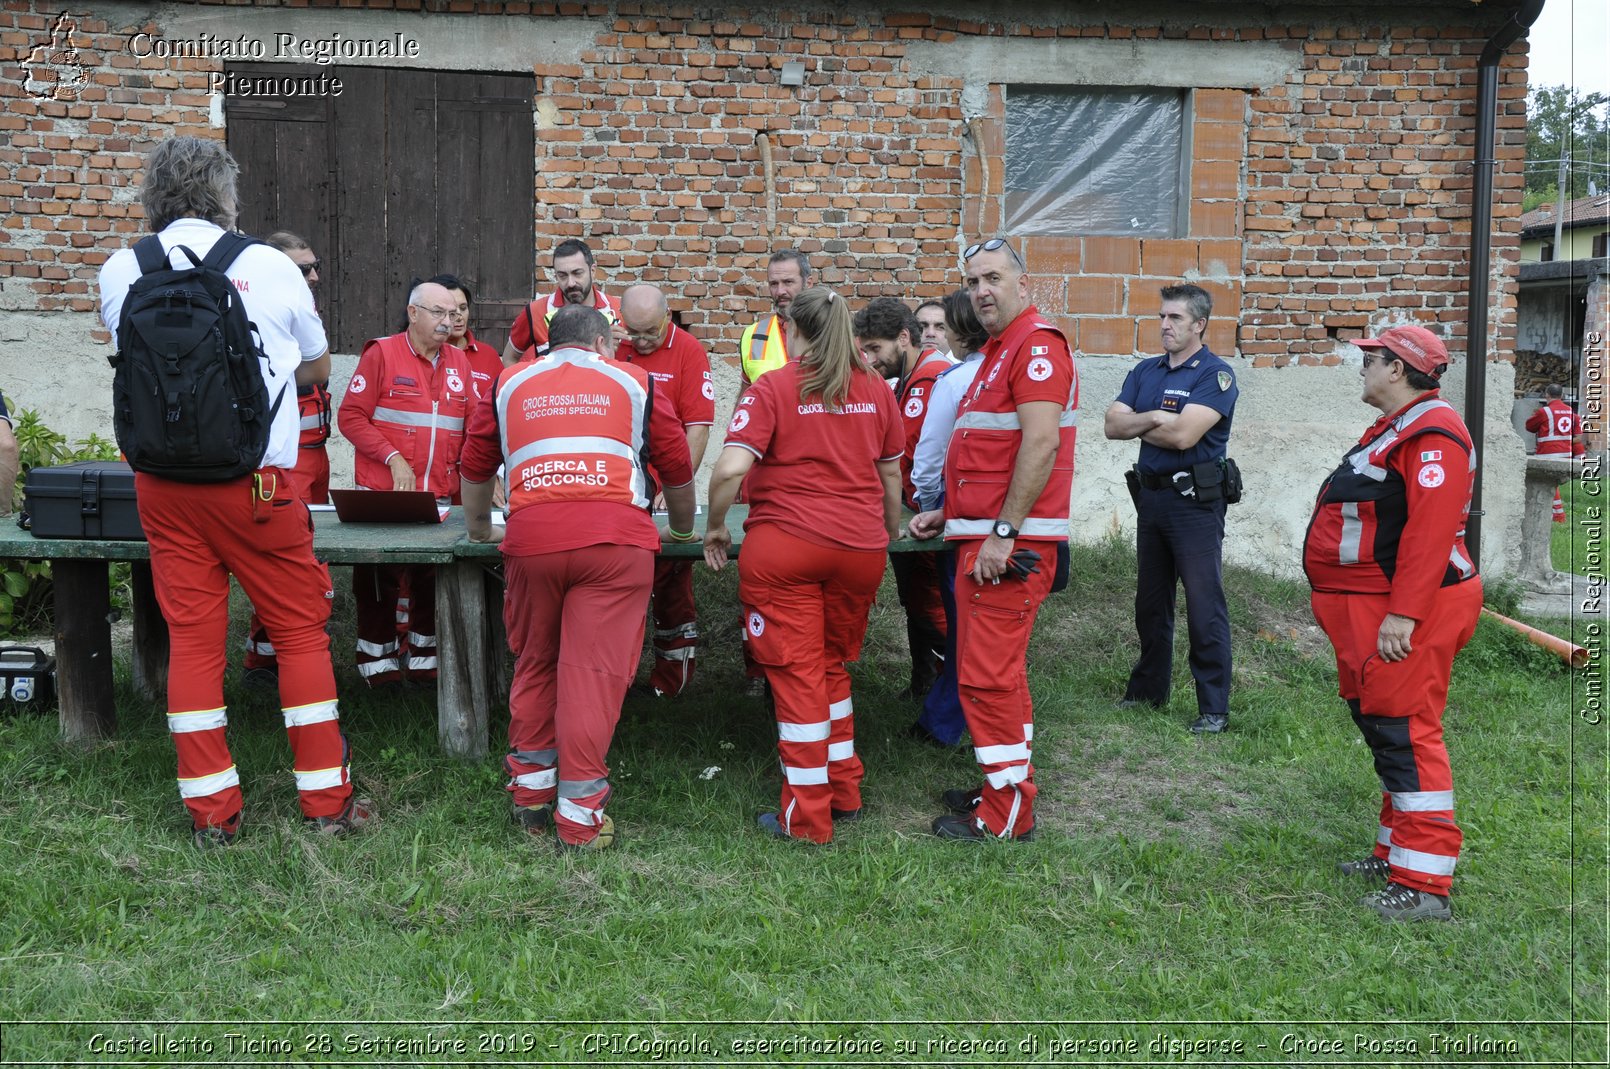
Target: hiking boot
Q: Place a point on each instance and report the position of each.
(602, 841)
(357, 815)
(917, 732)
(1400, 903)
(962, 799)
(217, 836)
(1372, 867)
(846, 816)
(1136, 703)
(534, 819)
(771, 825)
(1210, 724)
(261, 678)
(965, 827)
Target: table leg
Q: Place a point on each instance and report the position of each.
(463, 669)
(150, 662)
(84, 649)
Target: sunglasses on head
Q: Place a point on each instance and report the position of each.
(309, 268)
(990, 246)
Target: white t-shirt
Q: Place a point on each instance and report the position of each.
(277, 301)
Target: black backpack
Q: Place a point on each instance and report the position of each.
(189, 401)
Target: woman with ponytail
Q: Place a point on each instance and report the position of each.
(820, 440)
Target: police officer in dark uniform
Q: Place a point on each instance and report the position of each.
(1180, 406)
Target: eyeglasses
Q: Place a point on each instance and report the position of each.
(990, 246)
(1371, 359)
(436, 313)
(308, 268)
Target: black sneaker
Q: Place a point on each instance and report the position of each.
(1399, 903)
(357, 815)
(261, 678)
(846, 816)
(965, 828)
(1210, 724)
(1372, 867)
(217, 836)
(962, 799)
(534, 819)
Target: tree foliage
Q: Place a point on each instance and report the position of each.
(1562, 122)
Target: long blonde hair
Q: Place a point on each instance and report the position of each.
(828, 356)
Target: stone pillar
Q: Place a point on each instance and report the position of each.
(1543, 476)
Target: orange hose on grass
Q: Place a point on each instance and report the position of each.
(1569, 652)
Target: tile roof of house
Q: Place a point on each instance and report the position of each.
(1584, 211)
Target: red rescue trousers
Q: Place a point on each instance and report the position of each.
(312, 477)
(1398, 706)
(993, 625)
(396, 621)
(676, 629)
(575, 621)
(805, 609)
(200, 534)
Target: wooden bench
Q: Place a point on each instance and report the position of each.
(467, 650)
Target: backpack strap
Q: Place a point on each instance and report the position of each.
(151, 255)
(226, 249)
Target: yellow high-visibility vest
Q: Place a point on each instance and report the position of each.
(762, 350)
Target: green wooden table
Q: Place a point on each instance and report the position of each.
(467, 618)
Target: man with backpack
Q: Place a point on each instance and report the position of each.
(214, 334)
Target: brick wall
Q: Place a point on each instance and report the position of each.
(1336, 201)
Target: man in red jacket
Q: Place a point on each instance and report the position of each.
(579, 551)
(1398, 596)
(889, 336)
(1559, 433)
(680, 369)
(404, 414)
(574, 283)
(1008, 480)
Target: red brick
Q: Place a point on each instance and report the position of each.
(1101, 337)
(1051, 255)
(1170, 259)
(1110, 256)
(1095, 295)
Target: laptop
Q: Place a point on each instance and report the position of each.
(385, 506)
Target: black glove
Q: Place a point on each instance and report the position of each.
(1022, 562)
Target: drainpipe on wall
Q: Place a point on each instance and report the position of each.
(1481, 232)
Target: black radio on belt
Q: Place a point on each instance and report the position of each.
(1207, 483)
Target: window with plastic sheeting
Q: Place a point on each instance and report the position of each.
(1095, 161)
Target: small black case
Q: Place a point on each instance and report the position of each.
(89, 499)
(28, 675)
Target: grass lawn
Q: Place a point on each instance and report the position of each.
(1181, 896)
(1578, 544)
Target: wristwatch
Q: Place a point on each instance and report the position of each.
(1004, 530)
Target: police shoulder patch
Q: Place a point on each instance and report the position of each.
(1225, 380)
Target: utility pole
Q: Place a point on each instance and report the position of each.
(1559, 206)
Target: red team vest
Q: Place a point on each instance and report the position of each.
(1352, 542)
(913, 396)
(574, 427)
(536, 315)
(1555, 425)
(983, 446)
(313, 407)
(419, 410)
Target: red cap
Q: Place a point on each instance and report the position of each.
(1415, 346)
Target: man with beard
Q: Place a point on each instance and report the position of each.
(762, 347)
(888, 333)
(574, 283)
